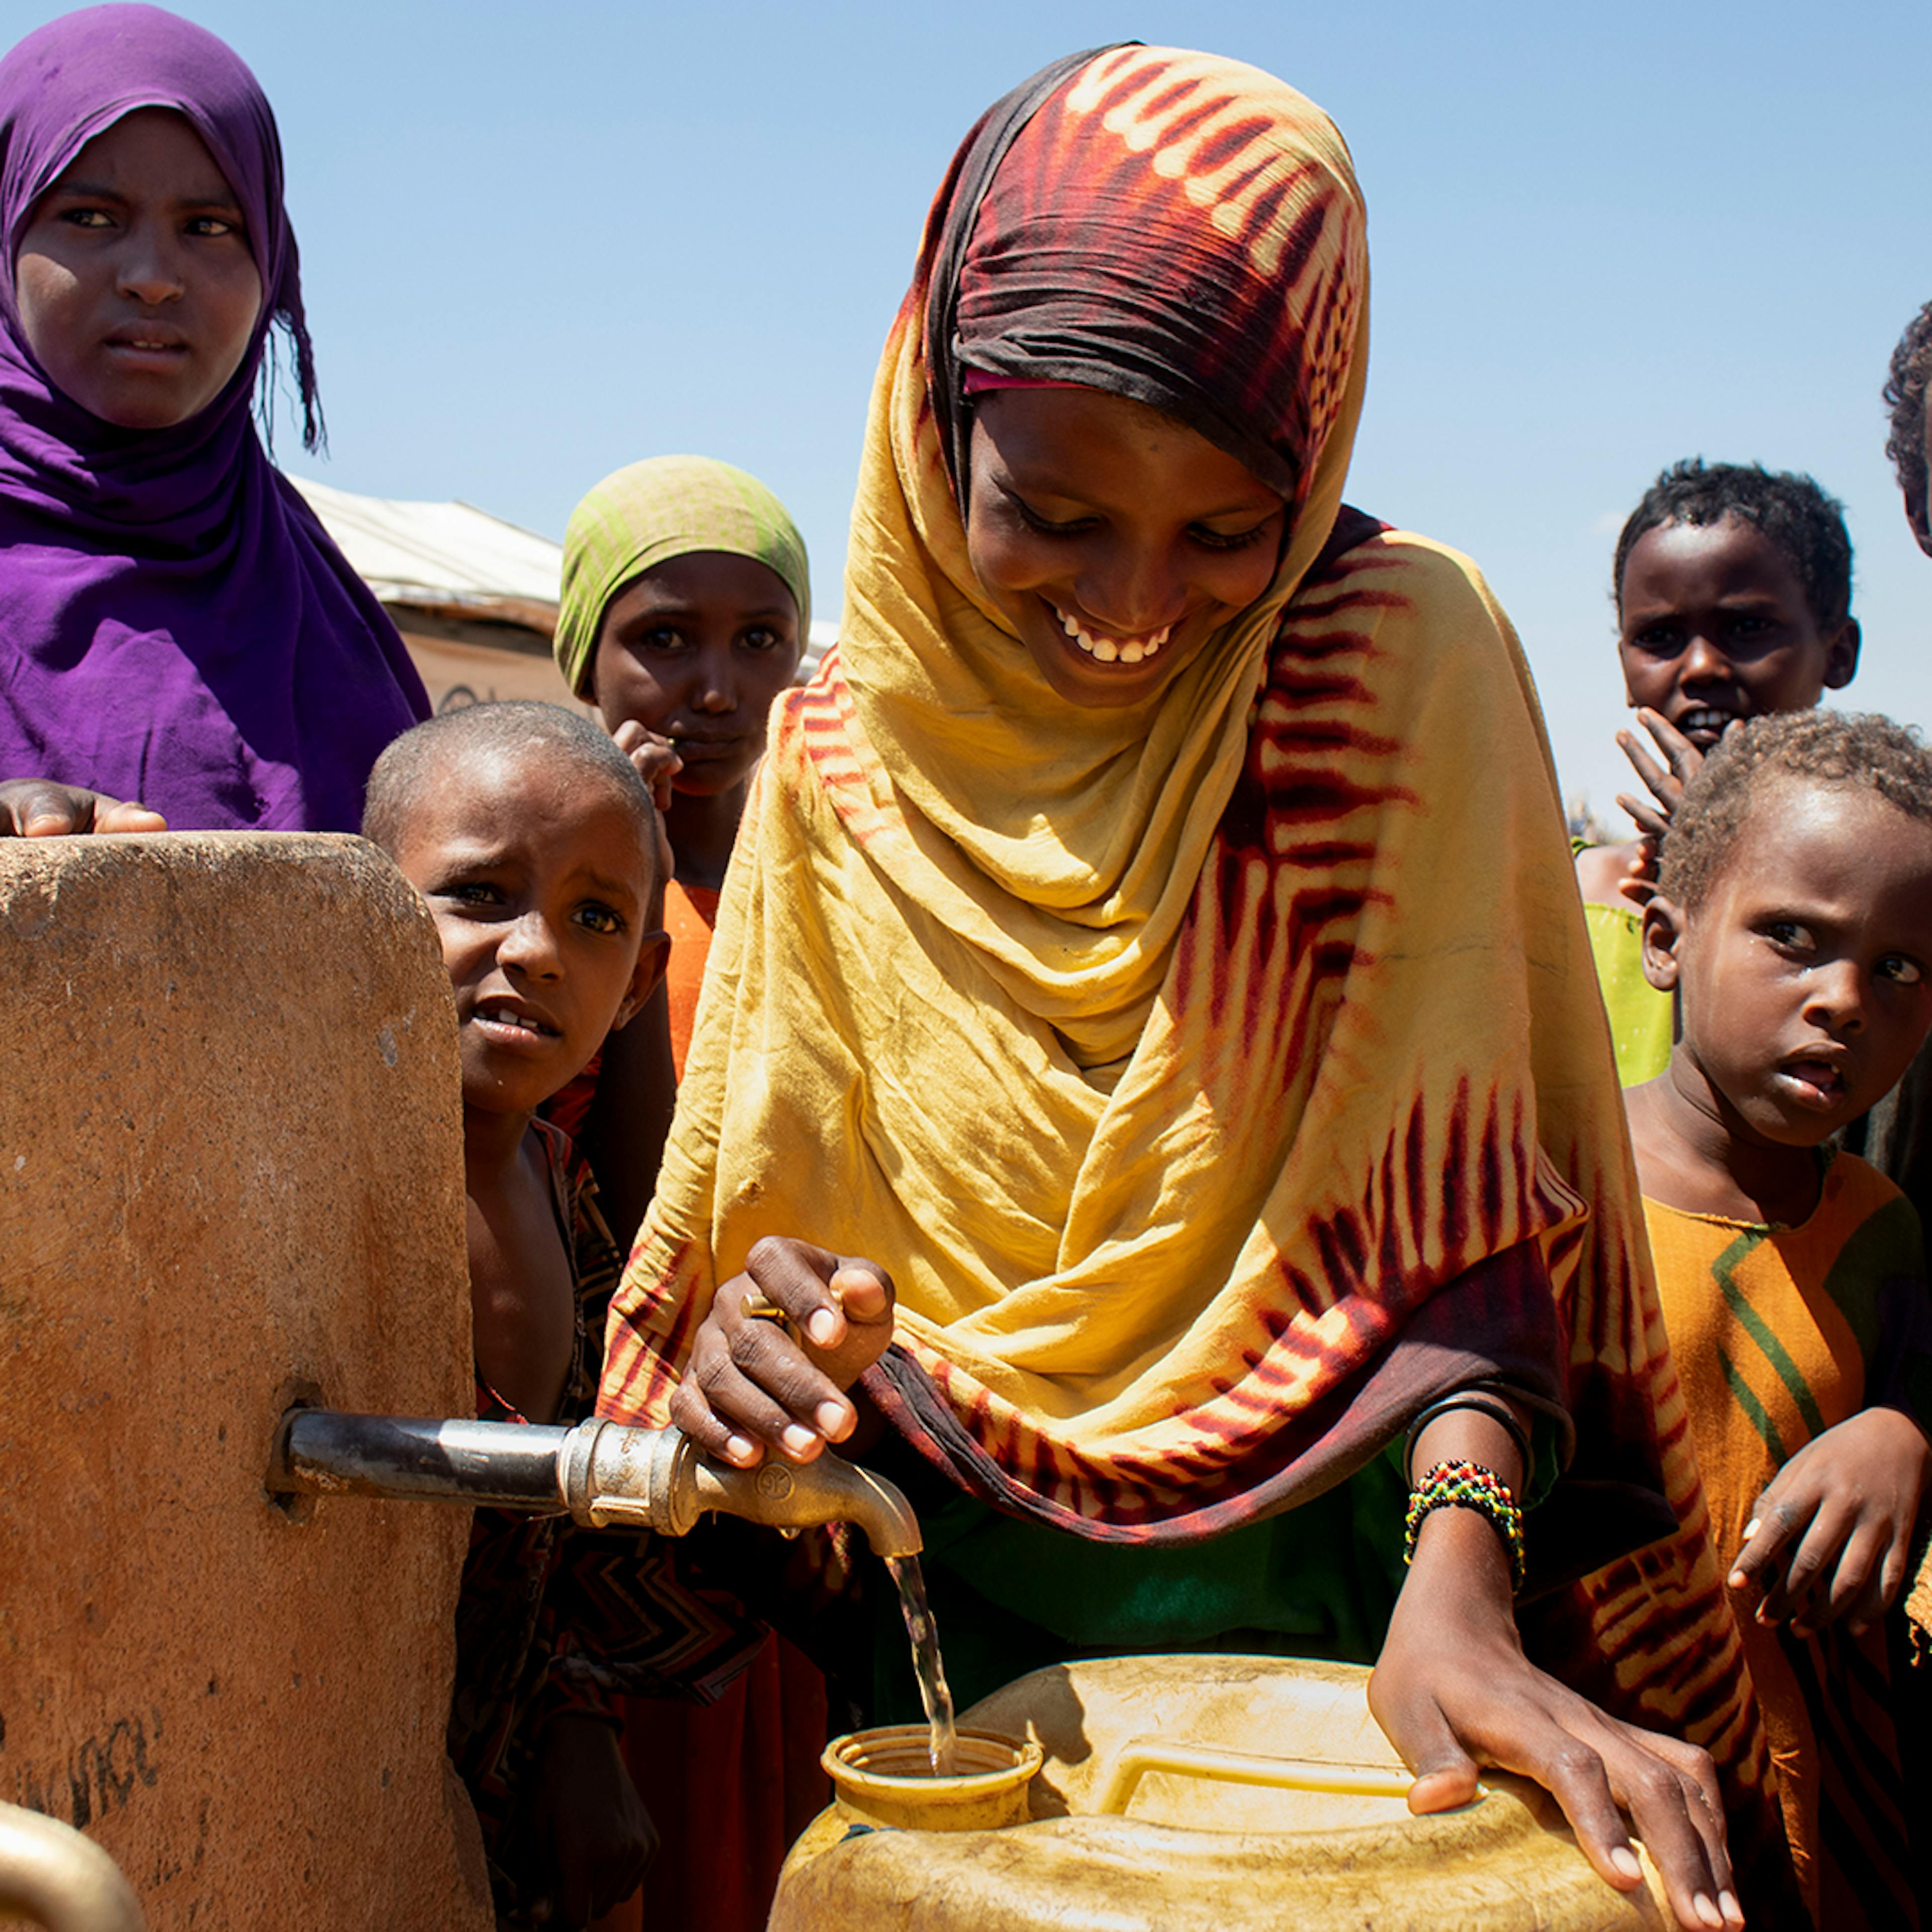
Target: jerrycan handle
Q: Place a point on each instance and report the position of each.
(1139, 1756)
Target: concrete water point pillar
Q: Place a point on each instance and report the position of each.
(230, 1176)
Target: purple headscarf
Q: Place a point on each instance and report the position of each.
(176, 625)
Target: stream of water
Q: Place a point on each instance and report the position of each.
(933, 1690)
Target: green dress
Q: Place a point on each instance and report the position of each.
(1010, 1596)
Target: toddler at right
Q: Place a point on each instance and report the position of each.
(1793, 920)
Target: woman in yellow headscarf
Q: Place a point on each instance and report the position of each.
(1152, 937)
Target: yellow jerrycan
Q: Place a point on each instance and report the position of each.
(1182, 1794)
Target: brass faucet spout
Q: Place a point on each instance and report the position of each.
(789, 1495)
(656, 1478)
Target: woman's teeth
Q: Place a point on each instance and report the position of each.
(1128, 650)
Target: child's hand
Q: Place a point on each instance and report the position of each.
(655, 758)
(1832, 1534)
(1665, 783)
(752, 1386)
(39, 808)
(586, 1815)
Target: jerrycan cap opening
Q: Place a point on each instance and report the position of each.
(883, 1777)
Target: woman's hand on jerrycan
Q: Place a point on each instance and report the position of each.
(782, 1343)
(1452, 1689)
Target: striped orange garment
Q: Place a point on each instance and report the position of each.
(1774, 1330)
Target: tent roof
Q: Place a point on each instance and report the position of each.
(437, 553)
(452, 557)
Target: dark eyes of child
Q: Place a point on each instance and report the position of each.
(594, 915)
(1660, 640)
(1788, 935)
(1668, 640)
(668, 637)
(467, 892)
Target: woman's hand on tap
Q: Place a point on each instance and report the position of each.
(782, 1343)
(40, 808)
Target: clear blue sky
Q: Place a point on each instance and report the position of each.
(539, 241)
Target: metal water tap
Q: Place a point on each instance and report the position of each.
(51, 1875)
(601, 1474)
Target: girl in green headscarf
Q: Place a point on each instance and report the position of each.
(685, 607)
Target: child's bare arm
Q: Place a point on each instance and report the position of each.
(630, 1116)
(1832, 1534)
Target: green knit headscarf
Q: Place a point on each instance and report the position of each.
(650, 512)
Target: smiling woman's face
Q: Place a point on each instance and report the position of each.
(134, 281)
(1114, 540)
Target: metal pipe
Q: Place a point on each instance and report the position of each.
(52, 1877)
(602, 1474)
(509, 1464)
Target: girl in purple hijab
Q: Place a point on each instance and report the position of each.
(176, 627)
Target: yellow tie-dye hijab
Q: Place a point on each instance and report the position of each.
(1221, 1078)
(1172, 1056)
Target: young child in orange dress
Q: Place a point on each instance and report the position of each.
(686, 604)
(1793, 920)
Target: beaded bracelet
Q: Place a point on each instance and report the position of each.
(1467, 1485)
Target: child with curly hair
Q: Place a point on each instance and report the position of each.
(1793, 921)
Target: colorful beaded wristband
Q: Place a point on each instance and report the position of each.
(1467, 1485)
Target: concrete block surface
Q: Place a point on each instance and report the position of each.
(230, 1174)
